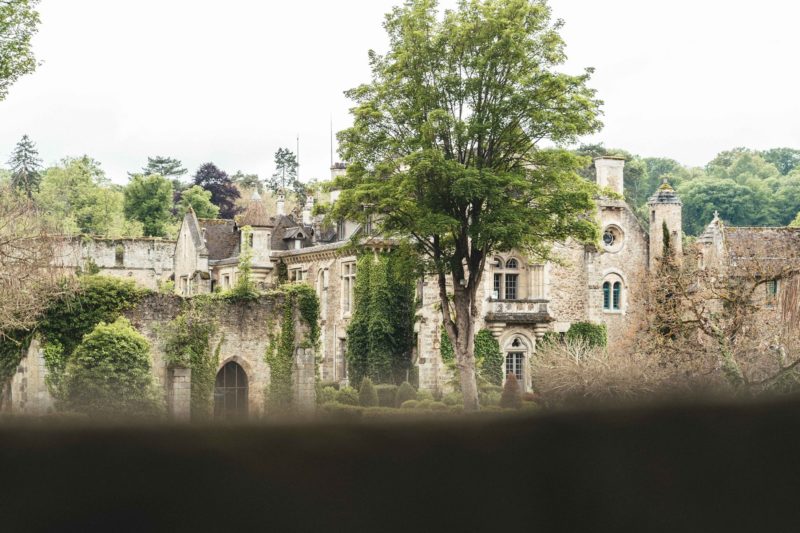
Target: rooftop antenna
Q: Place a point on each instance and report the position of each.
(298, 157)
(331, 140)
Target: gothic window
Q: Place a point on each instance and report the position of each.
(514, 361)
(512, 264)
(348, 283)
(511, 286)
(230, 392)
(612, 295)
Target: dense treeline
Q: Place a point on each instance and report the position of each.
(747, 187)
(76, 196)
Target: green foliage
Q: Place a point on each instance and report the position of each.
(347, 396)
(187, 344)
(367, 395)
(446, 347)
(164, 166)
(224, 193)
(409, 404)
(283, 272)
(25, 167)
(110, 374)
(796, 222)
(148, 199)
(489, 357)
(387, 395)
(281, 350)
(453, 398)
(405, 393)
(96, 299)
(78, 198)
(512, 395)
(381, 332)
(245, 288)
(199, 200)
(19, 22)
(423, 395)
(12, 348)
(285, 177)
(595, 335)
(326, 395)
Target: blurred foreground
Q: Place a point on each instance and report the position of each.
(718, 467)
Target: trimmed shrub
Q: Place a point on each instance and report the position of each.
(530, 397)
(367, 395)
(327, 395)
(387, 395)
(454, 398)
(339, 411)
(595, 335)
(423, 395)
(404, 393)
(332, 384)
(438, 406)
(109, 374)
(347, 396)
(410, 404)
(512, 396)
(491, 398)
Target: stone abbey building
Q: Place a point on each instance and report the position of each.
(521, 300)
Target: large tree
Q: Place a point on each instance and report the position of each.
(25, 167)
(285, 177)
(18, 23)
(223, 192)
(164, 166)
(445, 146)
(199, 200)
(148, 199)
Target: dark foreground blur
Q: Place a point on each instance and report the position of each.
(681, 469)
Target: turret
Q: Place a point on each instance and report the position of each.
(610, 173)
(666, 219)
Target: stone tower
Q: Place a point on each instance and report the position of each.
(610, 173)
(665, 210)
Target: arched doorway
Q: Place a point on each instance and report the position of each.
(230, 392)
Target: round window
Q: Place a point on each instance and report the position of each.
(613, 239)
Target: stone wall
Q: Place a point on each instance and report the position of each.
(147, 261)
(242, 337)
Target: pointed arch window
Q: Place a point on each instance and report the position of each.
(607, 295)
(612, 295)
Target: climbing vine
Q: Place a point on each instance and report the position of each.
(381, 332)
(489, 357)
(187, 343)
(245, 289)
(281, 349)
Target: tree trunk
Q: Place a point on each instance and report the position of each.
(462, 337)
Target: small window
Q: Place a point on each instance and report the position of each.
(607, 296)
(498, 282)
(340, 230)
(512, 264)
(119, 255)
(226, 281)
(772, 288)
(250, 240)
(652, 217)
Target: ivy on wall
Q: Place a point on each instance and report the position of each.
(489, 358)
(187, 343)
(380, 336)
(302, 300)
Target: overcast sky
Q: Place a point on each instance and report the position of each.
(230, 82)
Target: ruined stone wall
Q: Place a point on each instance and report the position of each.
(29, 392)
(149, 262)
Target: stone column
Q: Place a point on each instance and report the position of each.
(181, 394)
(305, 394)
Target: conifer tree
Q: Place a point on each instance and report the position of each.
(26, 167)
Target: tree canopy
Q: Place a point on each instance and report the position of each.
(25, 167)
(148, 199)
(199, 200)
(19, 22)
(223, 192)
(445, 145)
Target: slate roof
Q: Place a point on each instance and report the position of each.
(763, 244)
(255, 214)
(222, 239)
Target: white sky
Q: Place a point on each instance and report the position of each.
(230, 82)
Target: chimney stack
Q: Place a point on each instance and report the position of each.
(309, 207)
(281, 204)
(610, 173)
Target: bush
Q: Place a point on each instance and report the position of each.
(340, 411)
(347, 396)
(490, 398)
(595, 335)
(511, 397)
(329, 384)
(367, 395)
(423, 395)
(327, 395)
(410, 404)
(530, 397)
(109, 374)
(454, 398)
(405, 393)
(387, 395)
(438, 406)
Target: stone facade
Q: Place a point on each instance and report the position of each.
(147, 261)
